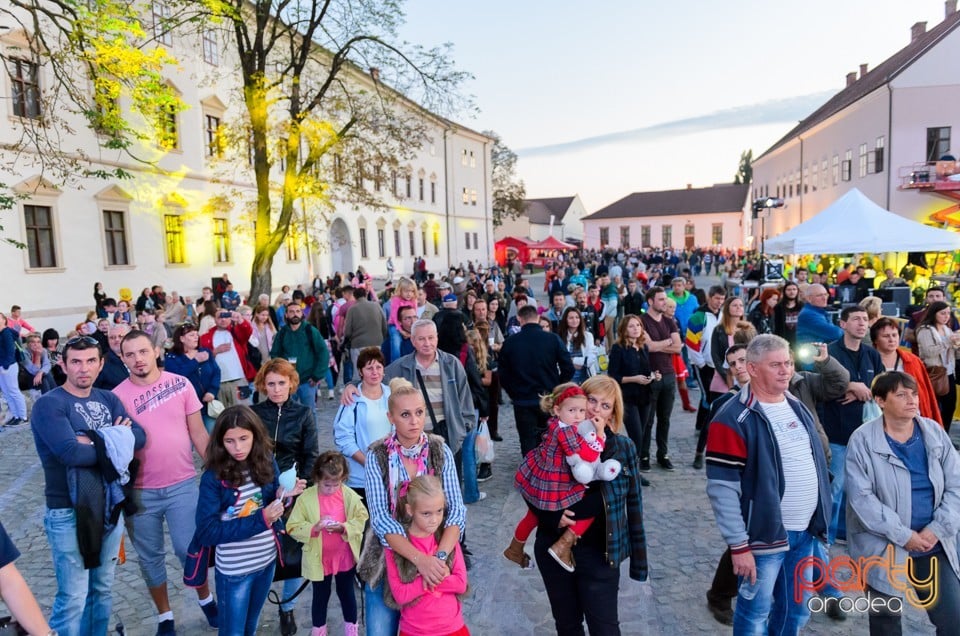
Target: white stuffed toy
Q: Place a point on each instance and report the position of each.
(584, 470)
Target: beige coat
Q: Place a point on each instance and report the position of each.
(306, 514)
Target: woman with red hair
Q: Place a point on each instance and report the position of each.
(762, 315)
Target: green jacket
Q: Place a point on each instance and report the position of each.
(312, 356)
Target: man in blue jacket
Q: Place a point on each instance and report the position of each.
(532, 362)
(768, 486)
(813, 323)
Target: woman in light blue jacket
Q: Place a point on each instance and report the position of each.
(365, 420)
(903, 497)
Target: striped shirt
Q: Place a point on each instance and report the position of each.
(434, 385)
(248, 555)
(800, 486)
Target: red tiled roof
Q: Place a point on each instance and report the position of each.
(718, 198)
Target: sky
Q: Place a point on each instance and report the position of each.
(611, 97)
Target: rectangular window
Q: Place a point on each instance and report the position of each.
(806, 179)
(38, 221)
(465, 196)
(716, 234)
(409, 186)
(604, 236)
(396, 243)
(25, 88)
(823, 174)
(161, 14)
(221, 241)
(393, 185)
(476, 244)
(168, 137)
(814, 176)
(337, 169)
(420, 187)
(413, 245)
(473, 197)
(436, 243)
(211, 52)
(463, 157)
(377, 177)
(836, 169)
(667, 235)
(115, 235)
(846, 168)
(938, 142)
(363, 242)
(381, 244)
(473, 160)
(878, 154)
(466, 236)
(358, 174)
(433, 192)
(624, 236)
(423, 240)
(644, 236)
(293, 247)
(213, 135)
(862, 157)
(173, 232)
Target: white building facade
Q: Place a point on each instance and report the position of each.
(869, 135)
(161, 228)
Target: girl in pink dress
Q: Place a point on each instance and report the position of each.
(328, 519)
(427, 611)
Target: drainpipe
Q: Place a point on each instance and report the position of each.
(803, 182)
(487, 223)
(887, 152)
(449, 190)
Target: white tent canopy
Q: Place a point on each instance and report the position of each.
(853, 224)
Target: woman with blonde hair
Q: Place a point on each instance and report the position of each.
(617, 533)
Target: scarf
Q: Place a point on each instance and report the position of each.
(395, 465)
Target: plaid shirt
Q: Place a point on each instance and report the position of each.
(623, 505)
(544, 478)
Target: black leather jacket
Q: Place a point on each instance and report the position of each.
(292, 428)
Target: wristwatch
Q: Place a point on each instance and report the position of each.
(442, 555)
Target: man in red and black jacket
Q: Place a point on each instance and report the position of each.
(228, 341)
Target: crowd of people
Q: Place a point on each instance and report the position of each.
(792, 412)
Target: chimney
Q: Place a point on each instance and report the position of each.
(689, 186)
(851, 77)
(950, 7)
(917, 30)
(863, 70)
(375, 73)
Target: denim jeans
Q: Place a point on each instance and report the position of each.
(822, 552)
(177, 504)
(11, 391)
(471, 487)
(240, 599)
(767, 606)
(380, 619)
(83, 602)
(307, 395)
(290, 587)
(838, 517)
(393, 334)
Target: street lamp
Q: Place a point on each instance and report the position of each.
(761, 209)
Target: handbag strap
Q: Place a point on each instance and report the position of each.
(426, 398)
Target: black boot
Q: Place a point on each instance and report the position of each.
(288, 624)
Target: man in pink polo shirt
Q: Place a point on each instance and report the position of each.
(167, 408)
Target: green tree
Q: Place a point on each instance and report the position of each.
(508, 189)
(332, 100)
(745, 170)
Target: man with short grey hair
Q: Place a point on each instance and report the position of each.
(813, 322)
(769, 488)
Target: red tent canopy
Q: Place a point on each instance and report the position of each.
(521, 246)
(551, 243)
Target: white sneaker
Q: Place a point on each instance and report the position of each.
(329, 394)
(483, 496)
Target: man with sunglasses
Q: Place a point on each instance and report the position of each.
(167, 406)
(67, 423)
